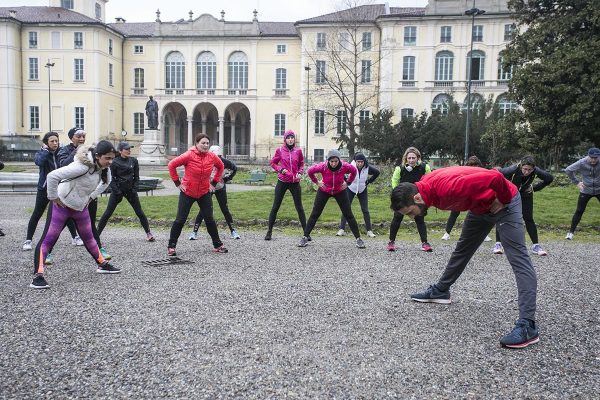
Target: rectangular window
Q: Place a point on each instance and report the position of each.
(78, 40)
(66, 4)
(34, 118)
(279, 124)
(138, 49)
(34, 69)
(281, 49)
(78, 69)
(110, 74)
(407, 113)
(319, 122)
(110, 46)
(98, 11)
(365, 75)
(320, 77)
(342, 121)
(504, 74)
(366, 41)
(446, 34)
(80, 117)
(410, 35)
(364, 116)
(321, 41)
(344, 41)
(138, 81)
(509, 31)
(318, 155)
(206, 76)
(55, 40)
(408, 71)
(280, 82)
(138, 123)
(478, 33)
(33, 40)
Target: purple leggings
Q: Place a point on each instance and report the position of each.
(55, 223)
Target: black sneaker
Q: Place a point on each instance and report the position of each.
(523, 334)
(107, 268)
(309, 238)
(360, 244)
(303, 242)
(268, 235)
(432, 295)
(39, 282)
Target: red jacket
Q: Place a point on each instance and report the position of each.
(198, 168)
(332, 180)
(465, 189)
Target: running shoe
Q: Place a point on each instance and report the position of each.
(426, 247)
(487, 239)
(194, 235)
(107, 268)
(446, 236)
(391, 246)
(341, 232)
(360, 244)
(150, 237)
(537, 249)
(171, 252)
(569, 236)
(432, 295)
(105, 254)
(27, 245)
(523, 334)
(221, 249)
(498, 249)
(371, 234)
(49, 260)
(268, 235)
(303, 242)
(76, 241)
(235, 235)
(38, 282)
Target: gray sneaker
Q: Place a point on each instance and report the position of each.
(360, 244)
(303, 242)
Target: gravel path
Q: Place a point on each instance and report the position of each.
(270, 320)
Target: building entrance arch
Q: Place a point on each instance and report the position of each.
(236, 130)
(174, 128)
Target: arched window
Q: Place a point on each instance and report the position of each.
(477, 102)
(441, 104)
(444, 66)
(237, 73)
(505, 104)
(477, 67)
(206, 73)
(174, 73)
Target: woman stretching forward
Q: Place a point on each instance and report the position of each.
(333, 183)
(71, 189)
(196, 187)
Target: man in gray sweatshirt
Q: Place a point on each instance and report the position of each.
(589, 184)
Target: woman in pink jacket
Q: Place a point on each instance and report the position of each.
(333, 183)
(288, 161)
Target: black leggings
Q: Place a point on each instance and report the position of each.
(363, 199)
(183, 210)
(581, 205)
(451, 220)
(114, 200)
(221, 196)
(296, 192)
(397, 220)
(41, 203)
(527, 209)
(343, 202)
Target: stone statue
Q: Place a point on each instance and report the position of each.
(152, 113)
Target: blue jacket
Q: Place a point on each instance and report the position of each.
(47, 161)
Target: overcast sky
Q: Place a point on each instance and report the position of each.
(235, 10)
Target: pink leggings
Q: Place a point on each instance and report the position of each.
(55, 223)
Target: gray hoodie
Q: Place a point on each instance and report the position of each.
(590, 175)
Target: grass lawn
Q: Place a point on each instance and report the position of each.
(554, 207)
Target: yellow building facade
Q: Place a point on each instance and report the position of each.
(243, 83)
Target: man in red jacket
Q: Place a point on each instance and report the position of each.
(491, 200)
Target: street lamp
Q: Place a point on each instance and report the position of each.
(307, 69)
(473, 12)
(49, 65)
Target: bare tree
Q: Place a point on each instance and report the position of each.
(346, 58)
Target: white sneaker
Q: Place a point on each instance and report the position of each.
(194, 236)
(341, 232)
(76, 241)
(498, 249)
(235, 235)
(371, 234)
(569, 236)
(27, 245)
(537, 249)
(446, 236)
(487, 239)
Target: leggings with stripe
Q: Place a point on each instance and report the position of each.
(55, 223)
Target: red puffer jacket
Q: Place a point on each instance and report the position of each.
(198, 168)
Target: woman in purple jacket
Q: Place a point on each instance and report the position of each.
(288, 161)
(333, 183)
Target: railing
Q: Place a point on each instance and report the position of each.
(408, 83)
(138, 91)
(474, 83)
(280, 92)
(203, 92)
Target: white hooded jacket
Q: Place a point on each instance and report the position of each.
(77, 183)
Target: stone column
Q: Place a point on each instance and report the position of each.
(204, 126)
(221, 132)
(190, 121)
(232, 138)
(243, 138)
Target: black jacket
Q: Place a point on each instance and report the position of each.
(525, 183)
(231, 167)
(125, 175)
(66, 155)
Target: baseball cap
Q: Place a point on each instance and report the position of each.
(124, 146)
